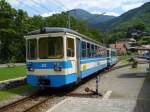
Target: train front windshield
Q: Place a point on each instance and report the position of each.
(49, 48)
(32, 49)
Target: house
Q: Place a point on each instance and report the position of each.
(120, 47)
(127, 41)
(142, 52)
(123, 45)
(137, 33)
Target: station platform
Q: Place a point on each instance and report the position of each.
(73, 104)
(130, 92)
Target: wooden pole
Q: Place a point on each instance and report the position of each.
(149, 62)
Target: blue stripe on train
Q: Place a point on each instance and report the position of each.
(61, 80)
(55, 80)
(49, 65)
(90, 60)
(92, 70)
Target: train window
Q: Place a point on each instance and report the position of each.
(51, 48)
(102, 51)
(95, 51)
(113, 53)
(105, 52)
(108, 54)
(92, 50)
(88, 50)
(83, 44)
(70, 47)
(32, 49)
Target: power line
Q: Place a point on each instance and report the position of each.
(55, 3)
(37, 11)
(69, 19)
(41, 5)
(61, 4)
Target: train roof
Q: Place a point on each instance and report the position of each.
(59, 29)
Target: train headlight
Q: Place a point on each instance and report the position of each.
(57, 67)
(29, 66)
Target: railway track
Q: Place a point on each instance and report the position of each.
(33, 102)
(37, 105)
(26, 104)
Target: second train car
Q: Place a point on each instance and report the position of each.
(111, 57)
(57, 57)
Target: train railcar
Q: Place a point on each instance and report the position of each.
(111, 57)
(57, 57)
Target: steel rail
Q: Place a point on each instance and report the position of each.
(68, 93)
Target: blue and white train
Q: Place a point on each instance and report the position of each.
(57, 57)
(111, 57)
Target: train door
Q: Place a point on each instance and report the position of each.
(78, 57)
(73, 55)
(108, 57)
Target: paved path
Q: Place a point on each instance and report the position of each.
(16, 64)
(130, 93)
(94, 105)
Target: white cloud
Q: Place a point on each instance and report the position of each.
(97, 12)
(107, 4)
(112, 14)
(128, 2)
(105, 13)
(69, 4)
(131, 6)
(13, 2)
(64, 5)
(50, 13)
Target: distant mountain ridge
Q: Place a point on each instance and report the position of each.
(106, 23)
(128, 19)
(91, 19)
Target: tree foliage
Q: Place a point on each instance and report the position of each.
(14, 24)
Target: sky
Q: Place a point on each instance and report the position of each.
(49, 7)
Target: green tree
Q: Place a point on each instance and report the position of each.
(114, 36)
(36, 22)
(14, 24)
(12, 28)
(144, 40)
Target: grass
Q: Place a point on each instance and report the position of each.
(6, 94)
(10, 73)
(124, 59)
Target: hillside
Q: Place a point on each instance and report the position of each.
(138, 15)
(86, 16)
(17, 24)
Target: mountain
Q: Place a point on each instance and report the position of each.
(80, 14)
(135, 16)
(90, 19)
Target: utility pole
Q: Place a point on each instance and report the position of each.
(69, 21)
(149, 61)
